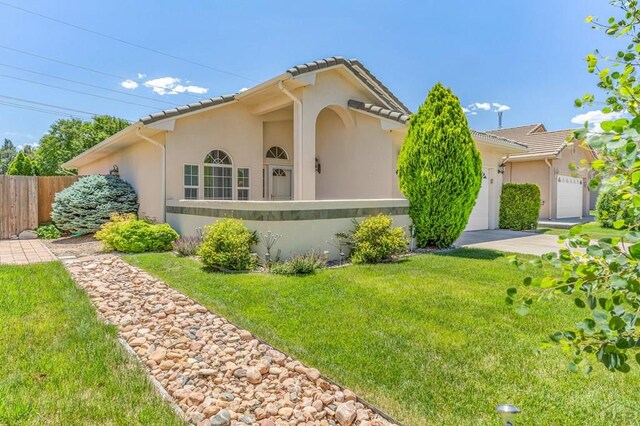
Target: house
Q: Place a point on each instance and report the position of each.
(564, 193)
(301, 155)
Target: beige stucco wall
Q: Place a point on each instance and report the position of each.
(356, 160)
(139, 164)
(317, 233)
(532, 172)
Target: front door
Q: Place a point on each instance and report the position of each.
(280, 182)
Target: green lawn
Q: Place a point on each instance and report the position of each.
(59, 364)
(594, 230)
(429, 340)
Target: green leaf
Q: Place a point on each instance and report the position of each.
(618, 224)
(634, 251)
(522, 310)
(579, 302)
(573, 367)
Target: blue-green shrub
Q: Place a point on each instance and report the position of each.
(519, 206)
(87, 204)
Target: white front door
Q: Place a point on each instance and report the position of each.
(479, 218)
(280, 182)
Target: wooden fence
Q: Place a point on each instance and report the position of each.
(25, 201)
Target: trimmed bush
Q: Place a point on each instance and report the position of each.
(439, 169)
(519, 206)
(226, 246)
(48, 232)
(299, 265)
(608, 209)
(87, 204)
(374, 240)
(128, 234)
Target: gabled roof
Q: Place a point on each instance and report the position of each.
(541, 143)
(353, 65)
(360, 71)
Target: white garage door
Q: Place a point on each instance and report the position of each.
(569, 198)
(479, 218)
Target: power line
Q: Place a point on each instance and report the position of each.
(119, 40)
(47, 105)
(86, 84)
(69, 64)
(43, 110)
(154, 108)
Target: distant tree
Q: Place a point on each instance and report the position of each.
(439, 169)
(29, 151)
(67, 138)
(22, 166)
(8, 152)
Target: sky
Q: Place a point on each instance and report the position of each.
(524, 58)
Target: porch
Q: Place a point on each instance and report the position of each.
(303, 225)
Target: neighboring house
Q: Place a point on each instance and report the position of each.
(565, 194)
(300, 154)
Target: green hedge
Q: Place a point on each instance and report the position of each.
(128, 234)
(608, 209)
(519, 206)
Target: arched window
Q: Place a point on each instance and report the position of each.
(217, 157)
(218, 176)
(277, 153)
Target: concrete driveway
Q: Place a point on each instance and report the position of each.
(510, 241)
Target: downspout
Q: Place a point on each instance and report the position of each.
(163, 171)
(551, 182)
(297, 155)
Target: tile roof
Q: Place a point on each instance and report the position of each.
(379, 111)
(538, 139)
(167, 113)
(494, 138)
(359, 70)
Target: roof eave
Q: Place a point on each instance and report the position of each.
(77, 161)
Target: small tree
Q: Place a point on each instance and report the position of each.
(22, 166)
(440, 169)
(603, 278)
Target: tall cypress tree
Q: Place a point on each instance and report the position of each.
(439, 169)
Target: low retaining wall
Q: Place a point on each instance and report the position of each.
(304, 225)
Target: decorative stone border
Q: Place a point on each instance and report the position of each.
(217, 373)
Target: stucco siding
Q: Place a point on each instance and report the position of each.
(533, 172)
(139, 164)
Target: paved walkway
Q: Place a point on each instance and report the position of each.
(510, 241)
(23, 252)
(217, 373)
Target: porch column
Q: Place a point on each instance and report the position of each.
(308, 152)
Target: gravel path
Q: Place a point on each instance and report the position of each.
(217, 373)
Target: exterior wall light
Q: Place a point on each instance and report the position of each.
(508, 413)
(114, 171)
(318, 166)
(501, 168)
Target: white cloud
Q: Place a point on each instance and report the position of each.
(486, 106)
(500, 107)
(466, 110)
(18, 134)
(595, 117)
(171, 86)
(129, 84)
(141, 76)
(244, 89)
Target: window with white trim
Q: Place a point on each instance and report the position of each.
(278, 153)
(191, 181)
(218, 176)
(242, 184)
